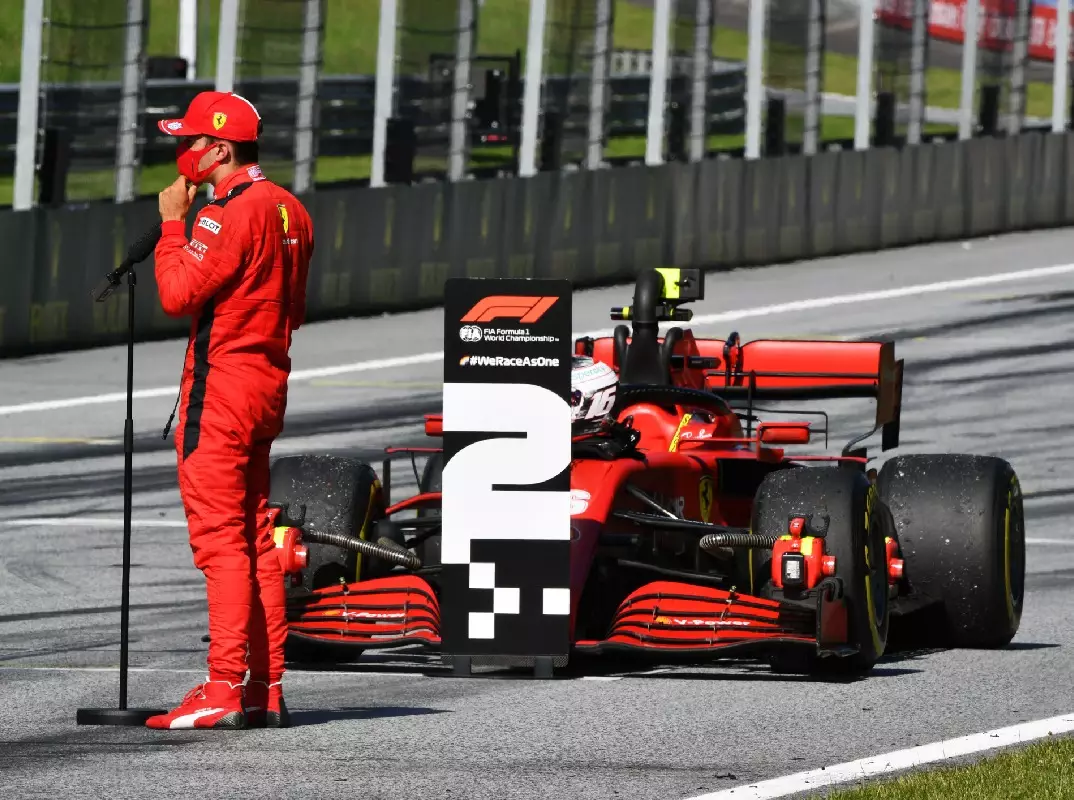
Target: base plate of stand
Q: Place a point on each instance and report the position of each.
(116, 716)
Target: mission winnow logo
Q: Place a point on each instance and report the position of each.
(501, 361)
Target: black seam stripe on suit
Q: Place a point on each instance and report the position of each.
(196, 402)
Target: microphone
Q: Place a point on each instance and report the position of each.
(138, 252)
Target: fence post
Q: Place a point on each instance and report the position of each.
(531, 98)
(918, 38)
(1061, 60)
(188, 36)
(755, 77)
(699, 106)
(305, 118)
(133, 84)
(658, 82)
(385, 88)
(1017, 89)
(598, 83)
(811, 135)
(464, 53)
(969, 70)
(33, 17)
(864, 95)
(227, 45)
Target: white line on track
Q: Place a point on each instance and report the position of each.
(700, 319)
(897, 761)
(96, 522)
(334, 673)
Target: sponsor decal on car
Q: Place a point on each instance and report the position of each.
(579, 501)
(705, 495)
(502, 361)
(690, 622)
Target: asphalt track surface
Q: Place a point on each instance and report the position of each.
(988, 371)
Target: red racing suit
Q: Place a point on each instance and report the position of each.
(242, 277)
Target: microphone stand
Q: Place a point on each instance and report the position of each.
(138, 252)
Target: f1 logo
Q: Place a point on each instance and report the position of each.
(524, 309)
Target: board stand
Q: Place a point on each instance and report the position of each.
(463, 666)
(123, 715)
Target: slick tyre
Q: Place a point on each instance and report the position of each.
(341, 495)
(961, 530)
(855, 537)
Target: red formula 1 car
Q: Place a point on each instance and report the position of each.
(695, 532)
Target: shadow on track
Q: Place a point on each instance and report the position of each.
(324, 716)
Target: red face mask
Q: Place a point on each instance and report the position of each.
(187, 160)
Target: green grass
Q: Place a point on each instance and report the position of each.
(1042, 771)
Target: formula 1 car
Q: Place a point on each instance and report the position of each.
(695, 533)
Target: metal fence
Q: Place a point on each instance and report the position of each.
(438, 107)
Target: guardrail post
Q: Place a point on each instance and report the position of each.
(460, 130)
(133, 84)
(864, 94)
(755, 76)
(969, 69)
(33, 17)
(384, 102)
(658, 81)
(918, 38)
(188, 36)
(531, 98)
(699, 96)
(598, 84)
(1061, 61)
(305, 122)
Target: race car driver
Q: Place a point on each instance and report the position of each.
(241, 277)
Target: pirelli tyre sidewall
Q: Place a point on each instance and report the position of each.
(855, 537)
(961, 529)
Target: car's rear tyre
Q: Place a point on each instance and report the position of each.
(855, 537)
(341, 495)
(961, 529)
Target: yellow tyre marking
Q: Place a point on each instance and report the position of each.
(1007, 549)
(874, 629)
(373, 489)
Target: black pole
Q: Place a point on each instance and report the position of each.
(128, 493)
(139, 251)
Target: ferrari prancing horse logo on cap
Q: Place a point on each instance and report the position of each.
(219, 120)
(283, 215)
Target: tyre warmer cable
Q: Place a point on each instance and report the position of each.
(384, 548)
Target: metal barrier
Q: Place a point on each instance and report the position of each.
(345, 116)
(381, 250)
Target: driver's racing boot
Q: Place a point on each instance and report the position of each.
(213, 704)
(264, 705)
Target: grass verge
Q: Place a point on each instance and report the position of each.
(1041, 771)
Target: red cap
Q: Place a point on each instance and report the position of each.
(224, 115)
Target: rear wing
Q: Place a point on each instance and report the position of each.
(776, 370)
